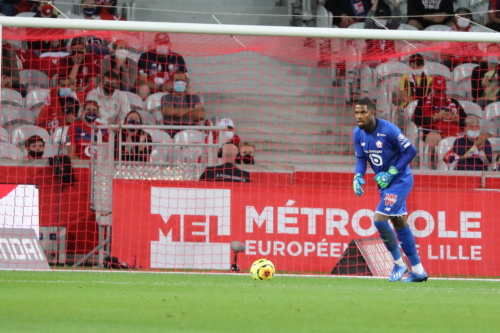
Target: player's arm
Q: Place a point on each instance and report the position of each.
(359, 169)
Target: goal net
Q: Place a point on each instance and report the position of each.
(129, 121)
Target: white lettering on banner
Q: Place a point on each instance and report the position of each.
(356, 218)
(30, 249)
(283, 220)
(5, 243)
(197, 205)
(331, 223)
(311, 218)
(294, 248)
(429, 228)
(465, 225)
(442, 233)
(449, 252)
(252, 216)
(19, 249)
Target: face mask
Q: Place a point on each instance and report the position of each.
(179, 86)
(162, 49)
(65, 92)
(248, 159)
(473, 134)
(89, 11)
(122, 54)
(108, 89)
(380, 23)
(35, 154)
(90, 117)
(134, 123)
(491, 59)
(229, 135)
(462, 23)
(47, 10)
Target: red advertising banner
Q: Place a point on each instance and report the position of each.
(190, 225)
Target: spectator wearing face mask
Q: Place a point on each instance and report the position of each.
(106, 9)
(228, 135)
(79, 136)
(247, 154)
(45, 10)
(120, 63)
(89, 8)
(439, 115)
(181, 108)
(11, 83)
(461, 53)
(485, 77)
(35, 147)
(473, 151)
(416, 84)
(347, 12)
(157, 66)
(113, 103)
(53, 113)
(387, 15)
(131, 135)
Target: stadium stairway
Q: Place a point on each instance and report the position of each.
(193, 11)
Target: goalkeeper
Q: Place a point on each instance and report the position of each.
(389, 153)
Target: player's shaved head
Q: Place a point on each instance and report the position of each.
(229, 152)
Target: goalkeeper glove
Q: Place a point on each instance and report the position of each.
(383, 179)
(356, 184)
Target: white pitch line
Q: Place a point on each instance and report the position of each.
(237, 274)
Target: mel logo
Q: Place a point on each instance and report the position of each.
(390, 199)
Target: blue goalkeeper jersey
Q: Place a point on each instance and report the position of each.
(382, 148)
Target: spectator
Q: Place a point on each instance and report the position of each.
(59, 105)
(439, 115)
(113, 103)
(107, 10)
(424, 13)
(247, 153)
(484, 79)
(229, 134)
(89, 8)
(387, 15)
(23, 6)
(416, 84)
(494, 15)
(8, 7)
(347, 12)
(157, 65)
(181, 108)
(120, 63)
(79, 141)
(134, 153)
(45, 10)
(227, 171)
(10, 62)
(473, 151)
(9, 82)
(461, 53)
(35, 147)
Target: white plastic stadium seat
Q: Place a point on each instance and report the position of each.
(443, 147)
(136, 102)
(4, 135)
(153, 102)
(16, 116)
(34, 79)
(164, 154)
(185, 152)
(22, 133)
(324, 18)
(437, 27)
(159, 135)
(147, 117)
(461, 84)
(472, 109)
(11, 97)
(35, 100)
(9, 150)
(492, 110)
(59, 138)
(359, 25)
(403, 26)
(26, 14)
(435, 69)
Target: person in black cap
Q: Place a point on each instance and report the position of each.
(226, 172)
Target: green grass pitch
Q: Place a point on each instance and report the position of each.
(124, 302)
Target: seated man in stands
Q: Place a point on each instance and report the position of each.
(347, 12)
(229, 134)
(120, 63)
(439, 115)
(133, 135)
(181, 108)
(9, 82)
(89, 8)
(113, 103)
(34, 147)
(226, 172)
(485, 77)
(79, 141)
(424, 13)
(473, 151)
(106, 9)
(247, 153)
(60, 102)
(157, 66)
(415, 85)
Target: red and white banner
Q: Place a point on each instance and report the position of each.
(190, 225)
(19, 207)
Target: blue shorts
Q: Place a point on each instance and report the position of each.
(393, 198)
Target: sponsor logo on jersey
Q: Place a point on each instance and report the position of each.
(390, 199)
(401, 137)
(362, 144)
(380, 134)
(379, 144)
(407, 145)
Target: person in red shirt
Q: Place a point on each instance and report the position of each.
(60, 106)
(108, 11)
(438, 115)
(79, 141)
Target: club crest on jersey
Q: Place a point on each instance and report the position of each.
(401, 137)
(390, 199)
(379, 144)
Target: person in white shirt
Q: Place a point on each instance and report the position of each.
(113, 103)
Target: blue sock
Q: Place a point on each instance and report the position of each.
(389, 238)
(407, 241)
